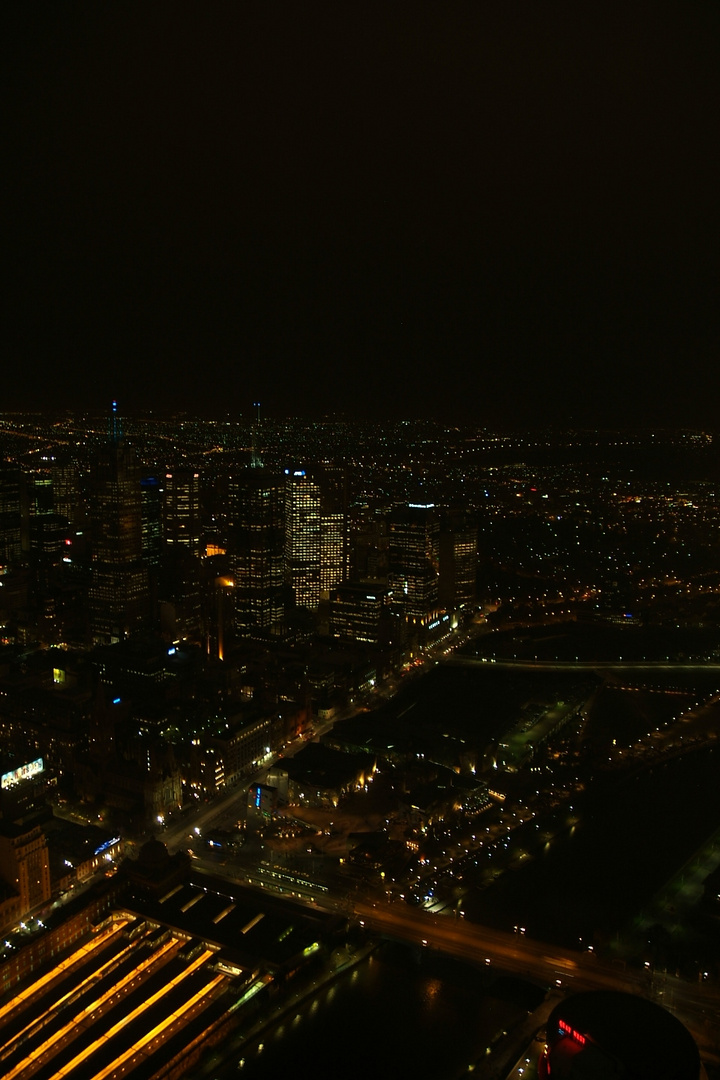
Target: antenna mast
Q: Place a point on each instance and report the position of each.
(254, 458)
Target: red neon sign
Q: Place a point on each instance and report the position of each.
(565, 1029)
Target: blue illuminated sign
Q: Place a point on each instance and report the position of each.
(106, 845)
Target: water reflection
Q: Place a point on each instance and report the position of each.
(421, 1016)
(431, 992)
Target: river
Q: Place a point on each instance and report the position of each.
(399, 1013)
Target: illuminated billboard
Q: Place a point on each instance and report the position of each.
(263, 798)
(24, 772)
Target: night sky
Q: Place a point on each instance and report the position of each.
(496, 213)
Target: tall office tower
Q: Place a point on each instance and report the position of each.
(49, 536)
(368, 534)
(360, 612)
(302, 537)
(119, 599)
(315, 533)
(10, 514)
(68, 500)
(413, 560)
(41, 494)
(256, 530)
(180, 596)
(151, 499)
(458, 561)
(181, 510)
(334, 545)
(101, 726)
(47, 531)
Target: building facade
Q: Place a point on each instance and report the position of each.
(119, 598)
(414, 561)
(182, 525)
(359, 611)
(257, 550)
(458, 562)
(10, 514)
(316, 548)
(25, 864)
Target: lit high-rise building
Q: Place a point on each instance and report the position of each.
(256, 530)
(67, 497)
(302, 537)
(458, 561)
(181, 510)
(359, 612)
(119, 597)
(151, 498)
(333, 550)
(10, 514)
(41, 493)
(413, 560)
(315, 533)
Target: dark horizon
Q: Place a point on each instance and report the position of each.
(506, 218)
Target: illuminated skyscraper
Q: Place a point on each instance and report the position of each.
(67, 497)
(458, 561)
(333, 548)
(257, 541)
(359, 612)
(315, 533)
(41, 493)
(10, 514)
(413, 561)
(181, 510)
(119, 597)
(151, 498)
(15, 583)
(302, 537)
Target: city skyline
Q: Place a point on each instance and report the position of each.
(503, 218)
(435, 691)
